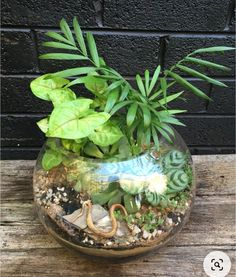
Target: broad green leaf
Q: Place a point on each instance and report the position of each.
(111, 100)
(188, 85)
(62, 56)
(74, 120)
(93, 49)
(200, 75)
(43, 125)
(79, 36)
(58, 37)
(147, 118)
(131, 114)
(61, 95)
(140, 84)
(66, 30)
(74, 71)
(207, 64)
(105, 135)
(51, 159)
(166, 100)
(154, 79)
(147, 79)
(45, 84)
(213, 49)
(96, 85)
(124, 93)
(119, 106)
(59, 45)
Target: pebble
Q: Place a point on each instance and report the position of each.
(136, 230)
(169, 221)
(159, 232)
(146, 234)
(179, 219)
(109, 243)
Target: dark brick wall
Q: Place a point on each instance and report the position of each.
(132, 36)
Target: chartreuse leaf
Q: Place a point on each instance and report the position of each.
(131, 114)
(188, 85)
(200, 75)
(207, 63)
(154, 79)
(93, 49)
(140, 84)
(213, 49)
(111, 100)
(66, 30)
(51, 159)
(105, 135)
(59, 37)
(62, 56)
(95, 85)
(74, 71)
(45, 84)
(43, 124)
(61, 95)
(79, 36)
(59, 45)
(74, 120)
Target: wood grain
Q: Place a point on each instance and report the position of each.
(27, 249)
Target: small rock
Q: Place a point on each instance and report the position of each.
(146, 234)
(109, 243)
(169, 221)
(138, 215)
(159, 232)
(136, 230)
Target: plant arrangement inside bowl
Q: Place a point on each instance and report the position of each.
(114, 178)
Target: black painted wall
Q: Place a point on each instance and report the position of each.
(132, 36)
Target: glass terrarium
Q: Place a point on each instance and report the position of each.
(116, 207)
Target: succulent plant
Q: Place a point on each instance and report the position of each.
(174, 159)
(178, 180)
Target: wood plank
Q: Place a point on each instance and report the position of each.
(208, 225)
(215, 175)
(168, 261)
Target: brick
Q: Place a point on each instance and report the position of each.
(19, 153)
(167, 15)
(47, 13)
(18, 98)
(223, 99)
(21, 131)
(181, 45)
(18, 52)
(200, 131)
(212, 150)
(127, 53)
(208, 130)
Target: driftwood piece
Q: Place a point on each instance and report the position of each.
(27, 249)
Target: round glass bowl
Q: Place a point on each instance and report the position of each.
(116, 208)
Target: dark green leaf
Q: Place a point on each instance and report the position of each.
(159, 92)
(79, 36)
(93, 49)
(188, 85)
(131, 114)
(155, 137)
(146, 116)
(140, 84)
(66, 30)
(119, 106)
(167, 99)
(62, 56)
(74, 71)
(154, 79)
(81, 80)
(113, 86)
(164, 90)
(51, 159)
(200, 75)
(92, 150)
(213, 49)
(60, 45)
(124, 93)
(147, 79)
(58, 37)
(111, 100)
(164, 134)
(207, 64)
(95, 85)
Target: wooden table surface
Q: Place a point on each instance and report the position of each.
(27, 249)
